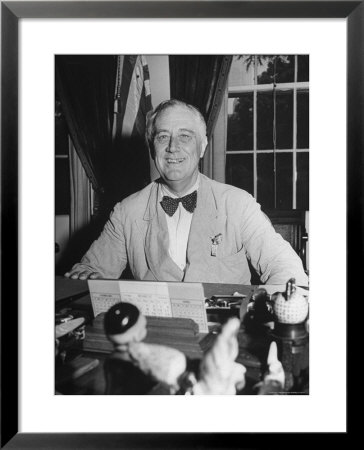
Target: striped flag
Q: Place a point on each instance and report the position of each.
(132, 99)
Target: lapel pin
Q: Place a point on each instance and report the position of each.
(216, 240)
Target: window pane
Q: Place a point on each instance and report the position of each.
(302, 119)
(303, 181)
(284, 120)
(240, 122)
(284, 112)
(284, 180)
(280, 66)
(285, 69)
(265, 120)
(239, 171)
(62, 181)
(242, 70)
(265, 181)
(265, 186)
(303, 68)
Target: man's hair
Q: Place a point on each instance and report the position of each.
(153, 115)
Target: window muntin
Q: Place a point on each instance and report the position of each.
(268, 118)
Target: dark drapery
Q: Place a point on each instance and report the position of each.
(118, 165)
(85, 86)
(200, 80)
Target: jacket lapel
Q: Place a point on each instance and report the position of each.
(207, 222)
(157, 241)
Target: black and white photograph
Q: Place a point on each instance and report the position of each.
(181, 199)
(182, 224)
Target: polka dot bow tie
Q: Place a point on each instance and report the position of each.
(170, 204)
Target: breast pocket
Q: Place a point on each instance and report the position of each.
(230, 268)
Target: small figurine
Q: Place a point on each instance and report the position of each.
(219, 374)
(273, 381)
(290, 307)
(136, 367)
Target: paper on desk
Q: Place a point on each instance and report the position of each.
(188, 300)
(152, 298)
(104, 294)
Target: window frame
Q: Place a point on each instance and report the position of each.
(295, 87)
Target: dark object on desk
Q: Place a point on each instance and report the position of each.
(67, 335)
(259, 308)
(68, 289)
(75, 368)
(220, 308)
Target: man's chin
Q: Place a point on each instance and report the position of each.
(173, 177)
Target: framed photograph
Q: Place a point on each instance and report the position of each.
(31, 34)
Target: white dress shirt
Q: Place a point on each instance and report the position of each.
(179, 227)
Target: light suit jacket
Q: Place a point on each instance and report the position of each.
(137, 233)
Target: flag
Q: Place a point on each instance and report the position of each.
(132, 99)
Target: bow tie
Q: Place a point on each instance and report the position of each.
(170, 204)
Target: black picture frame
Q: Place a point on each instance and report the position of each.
(11, 12)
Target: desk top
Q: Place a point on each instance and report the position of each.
(67, 289)
(252, 347)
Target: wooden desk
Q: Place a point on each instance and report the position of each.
(253, 346)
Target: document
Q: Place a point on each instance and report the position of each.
(152, 298)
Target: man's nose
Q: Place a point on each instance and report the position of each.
(173, 144)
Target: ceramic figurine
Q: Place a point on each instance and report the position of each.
(139, 365)
(219, 373)
(290, 307)
(273, 381)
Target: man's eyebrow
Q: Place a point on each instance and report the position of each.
(186, 129)
(161, 131)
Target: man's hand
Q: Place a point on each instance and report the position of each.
(82, 274)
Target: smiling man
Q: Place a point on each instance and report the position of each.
(184, 226)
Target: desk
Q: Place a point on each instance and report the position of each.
(253, 345)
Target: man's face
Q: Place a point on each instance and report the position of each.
(178, 147)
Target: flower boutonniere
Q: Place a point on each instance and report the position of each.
(216, 240)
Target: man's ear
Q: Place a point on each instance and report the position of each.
(151, 150)
(203, 146)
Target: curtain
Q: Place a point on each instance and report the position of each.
(80, 215)
(201, 81)
(214, 160)
(105, 100)
(132, 101)
(85, 86)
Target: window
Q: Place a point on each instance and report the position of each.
(268, 129)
